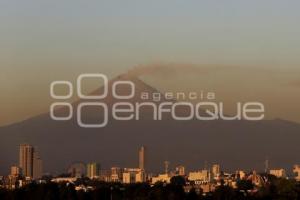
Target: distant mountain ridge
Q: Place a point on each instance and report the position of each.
(233, 144)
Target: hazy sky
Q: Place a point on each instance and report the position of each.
(41, 41)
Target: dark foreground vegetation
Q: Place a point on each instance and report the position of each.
(277, 189)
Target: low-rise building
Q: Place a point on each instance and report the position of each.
(296, 170)
(15, 171)
(64, 179)
(133, 175)
(202, 175)
(116, 174)
(165, 178)
(279, 173)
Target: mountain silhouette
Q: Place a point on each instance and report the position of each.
(233, 144)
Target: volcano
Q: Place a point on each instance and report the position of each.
(233, 144)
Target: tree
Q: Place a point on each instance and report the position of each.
(192, 195)
(224, 192)
(245, 185)
(177, 180)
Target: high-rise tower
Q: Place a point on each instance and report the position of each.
(215, 170)
(93, 170)
(30, 162)
(267, 165)
(26, 159)
(37, 165)
(142, 158)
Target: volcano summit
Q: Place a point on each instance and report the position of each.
(125, 110)
(234, 143)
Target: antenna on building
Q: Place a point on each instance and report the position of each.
(167, 163)
(267, 165)
(205, 165)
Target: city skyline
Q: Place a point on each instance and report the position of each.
(173, 99)
(206, 177)
(30, 165)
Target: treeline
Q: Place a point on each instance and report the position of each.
(276, 189)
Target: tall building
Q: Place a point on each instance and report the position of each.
(15, 171)
(266, 165)
(116, 174)
(140, 177)
(26, 159)
(30, 162)
(77, 169)
(180, 170)
(37, 166)
(166, 163)
(93, 170)
(142, 158)
(215, 170)
(240, 174)
(129, 177)
(296, 170)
